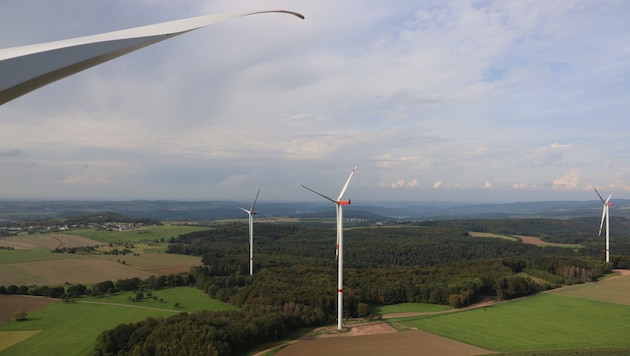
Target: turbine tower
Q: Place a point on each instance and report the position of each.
(605, 215)
(339, 248)
(26, 68)
(251, 214)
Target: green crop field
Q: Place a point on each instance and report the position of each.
(408, 308)
(540, 322)
(71, 328)
(189, 299)
(27, 256)
(139, 234)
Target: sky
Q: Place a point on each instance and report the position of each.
(480, 101)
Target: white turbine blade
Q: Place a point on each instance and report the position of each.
(347, 183)
(599, 195)
(601, 225)
(320, 194)
(607, 200)
(253, 205)
(26, 68)
(247, 211)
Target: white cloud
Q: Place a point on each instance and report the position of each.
(87, 179)
(402, 183)
(495, 92)
(569, 181)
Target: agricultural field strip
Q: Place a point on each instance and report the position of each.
(491, 235)
(533, 240)
(559, 323)
(47, 241)
(128, 306)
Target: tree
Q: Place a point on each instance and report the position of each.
(363, 310)
(19, 315)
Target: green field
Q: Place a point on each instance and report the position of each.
(25, 256)
(146, 233)
(189, 298)
(71, 328)
(408, 308)
(540, 322)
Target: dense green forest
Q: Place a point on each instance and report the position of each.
(294, 284)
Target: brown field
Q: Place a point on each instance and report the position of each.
(537, 241)
(411, 342)
(616, 290)
(9, 304)
(48, 241)
(85, 269)
(156, 263)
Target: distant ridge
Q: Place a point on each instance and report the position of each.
(172, 210)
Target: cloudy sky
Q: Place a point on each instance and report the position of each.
(435, 100)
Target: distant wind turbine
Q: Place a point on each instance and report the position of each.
(251, 214)
(605, 215)
(26, 68)
(339, 248)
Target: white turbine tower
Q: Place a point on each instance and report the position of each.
(339, 248)
(251, 214)
(605, 215)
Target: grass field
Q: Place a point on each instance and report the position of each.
(612, 290)
(540, 322)
(189, 299)
(407, 308)
(71, 328)
(148, 233)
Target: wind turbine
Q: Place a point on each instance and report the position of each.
(339, 248)
(251, 214)
(605, 215)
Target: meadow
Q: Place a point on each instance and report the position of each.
(147, 233)
(407, 308)
(540, 322)
(71, 328)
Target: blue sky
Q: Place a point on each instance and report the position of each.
(435, 100)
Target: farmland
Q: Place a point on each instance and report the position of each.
(32, 263)
(295, 274)
(71, 328)
(589, 316)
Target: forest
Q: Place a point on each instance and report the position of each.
(294, 283)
